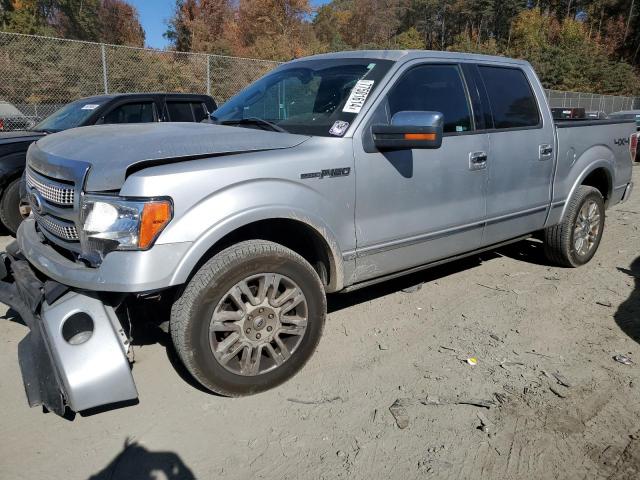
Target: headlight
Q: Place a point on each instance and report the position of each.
(113, 223)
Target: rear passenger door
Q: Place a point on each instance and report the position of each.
(520, 160)
(186, 111)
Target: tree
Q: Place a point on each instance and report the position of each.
(120, 24)
(79, 19)
(26, 16)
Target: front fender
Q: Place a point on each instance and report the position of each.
(218, 231)
(238, 205)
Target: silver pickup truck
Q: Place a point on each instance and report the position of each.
(328, 174)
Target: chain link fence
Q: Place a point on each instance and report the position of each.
(591, 102)
(40, 74)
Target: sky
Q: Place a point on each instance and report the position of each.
(154, 15)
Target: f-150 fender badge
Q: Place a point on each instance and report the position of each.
(329, 172)
(621, 141)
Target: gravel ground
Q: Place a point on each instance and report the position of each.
(559, 405)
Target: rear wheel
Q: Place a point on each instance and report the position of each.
(249, 319)
(10, 207)
(575, 240)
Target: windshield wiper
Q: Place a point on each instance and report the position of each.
(254, 121)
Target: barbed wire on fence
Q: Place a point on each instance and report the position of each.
(40, 74)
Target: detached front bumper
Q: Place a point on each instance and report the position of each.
(75, 353)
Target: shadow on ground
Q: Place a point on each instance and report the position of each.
(136, 462)
(628, 314)
(529, 251)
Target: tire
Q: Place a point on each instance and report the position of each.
(561, 242)
(200, 341)
(10, 207)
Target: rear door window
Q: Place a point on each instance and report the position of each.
(180, 112)
(437, 88)
(513, 103)
(137, 112)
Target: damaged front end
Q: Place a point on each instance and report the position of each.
(75, 355)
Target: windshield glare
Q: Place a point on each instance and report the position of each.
(70, 116)
(309, 97)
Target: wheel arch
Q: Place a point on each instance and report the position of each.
(598, 174)
(307, 236)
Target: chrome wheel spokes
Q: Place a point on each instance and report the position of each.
(586, 228)
(258, 324)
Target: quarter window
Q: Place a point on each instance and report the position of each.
(513, 103)
(436, 88)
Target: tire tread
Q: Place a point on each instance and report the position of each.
(182, 307)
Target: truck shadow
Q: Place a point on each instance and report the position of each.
(136, 462)
(627, 315)
(529, 251)
(340, 301)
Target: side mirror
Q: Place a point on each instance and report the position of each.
(409, 130)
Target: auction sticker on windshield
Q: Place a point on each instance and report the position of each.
(358, 96)
(90, 106)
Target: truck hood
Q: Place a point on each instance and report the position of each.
(109, 152)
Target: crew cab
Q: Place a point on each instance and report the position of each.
(102, 109)
(328, 174)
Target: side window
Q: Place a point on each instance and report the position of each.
(180, 111)
(141, 112)
(513, 103)
(437, 88)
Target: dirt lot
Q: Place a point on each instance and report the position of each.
(544, 337)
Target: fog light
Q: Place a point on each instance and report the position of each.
(77, 328)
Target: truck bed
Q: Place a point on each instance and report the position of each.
(583, 146)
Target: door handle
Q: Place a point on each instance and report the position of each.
(546, 151)
(477, 160)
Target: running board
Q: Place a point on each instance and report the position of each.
(391, 276)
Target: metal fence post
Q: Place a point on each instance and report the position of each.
(208, 74)
(105, 77)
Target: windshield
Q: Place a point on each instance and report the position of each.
(71, 115)
(8, 110)
(310, 97)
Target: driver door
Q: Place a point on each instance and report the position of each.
(417, 206)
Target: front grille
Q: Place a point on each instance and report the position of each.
(61, 229)
(51, 191)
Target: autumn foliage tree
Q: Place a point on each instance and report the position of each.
(109, 21)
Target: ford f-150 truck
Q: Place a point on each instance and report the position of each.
(328, 174)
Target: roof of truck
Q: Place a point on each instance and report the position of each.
(396, 55)
(111, 96)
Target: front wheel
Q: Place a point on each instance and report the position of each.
(575, 240)
(249, 319)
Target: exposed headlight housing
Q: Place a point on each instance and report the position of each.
(114, 223)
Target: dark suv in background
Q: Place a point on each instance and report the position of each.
(101, 109)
